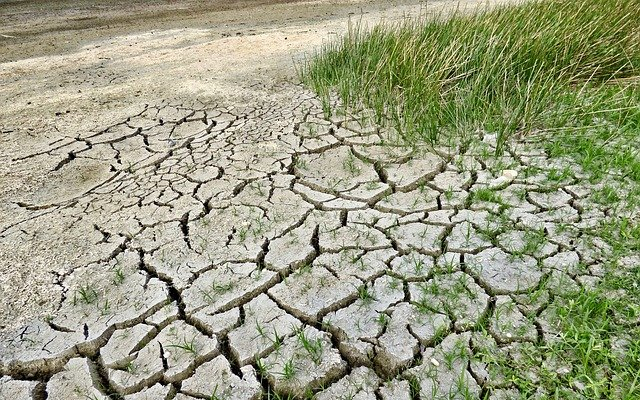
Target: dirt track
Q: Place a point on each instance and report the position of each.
(52, 27)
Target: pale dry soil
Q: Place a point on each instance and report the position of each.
(179, 219)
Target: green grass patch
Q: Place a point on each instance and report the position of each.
(602, 349)
(538, 66)
(603, 135)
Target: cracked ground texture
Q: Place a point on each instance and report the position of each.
(229, 249)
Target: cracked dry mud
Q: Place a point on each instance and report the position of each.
(240, 251)
(203, 249)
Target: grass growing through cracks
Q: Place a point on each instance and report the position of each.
(544, 65)
(564, 73)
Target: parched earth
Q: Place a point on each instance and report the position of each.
(226, 249)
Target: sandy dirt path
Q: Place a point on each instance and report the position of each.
(95, 79)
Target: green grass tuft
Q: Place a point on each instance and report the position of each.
(537, 66)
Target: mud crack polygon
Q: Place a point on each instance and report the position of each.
(268, 249)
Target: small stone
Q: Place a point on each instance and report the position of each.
(510, 174)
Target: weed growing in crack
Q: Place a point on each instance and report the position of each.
(458, 352)
(257, 186)
(559, 175)
(489, 233)
(242, 233)
(534, 240)
(188, 346)
(85, 294)
(313, 347)
(119, 277)
(372, 185)
(131, 368)
(462, 388)
(383, 320)
(259, 226)
(488, 195)
(326, 324)
(105, 308)
(301, 164)
(467, 234)
(361, 265)
(414, 388)
(278, 340)
(205, 221)
(424, 306)
(334, 183)
(260, 330)
(448, 194)
(447, 265)
(365, 295)
(394, 283)
(418, 266)
(371, 238)
(304, 269)
(313, 130)
(288, 370)
(261, 368)
(214, 290)
(607, 195)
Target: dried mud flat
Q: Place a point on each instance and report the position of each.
(179, 220)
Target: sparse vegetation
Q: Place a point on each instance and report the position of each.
(313, 347)
(85, 294)
(189, 346)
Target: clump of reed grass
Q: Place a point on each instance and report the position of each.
(534, 66)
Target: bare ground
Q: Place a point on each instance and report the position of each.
(69, 68)
(175, 206)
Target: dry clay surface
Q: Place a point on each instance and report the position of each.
(235, 241)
